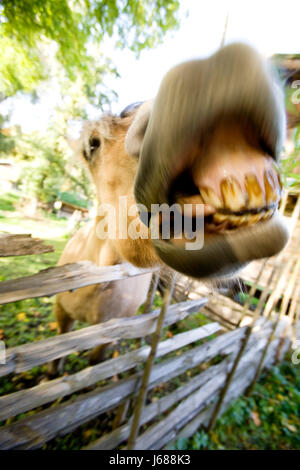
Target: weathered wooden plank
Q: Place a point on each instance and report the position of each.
(33, 431)
(22, 358)
(24, 400)
(239, 384)
(237, 388)
(159, 434)
(116, 437)
(22, 244)
(64, 278)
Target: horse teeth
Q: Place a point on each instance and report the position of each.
(255, 193)
(246, 219)
(239, 220)
(267, 214)
(236, 220)
(210, 197)
(255, 218)
(271, 188)
(232, 193)
(219, 218)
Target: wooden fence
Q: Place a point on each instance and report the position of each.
(245, 340)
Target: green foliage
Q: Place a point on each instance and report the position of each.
(7, 143)
(288, 164)
(20, 68)
(243, 298)
(269, 419)
(30, 29)
(46, 44)
(7, 202)
(47, 169)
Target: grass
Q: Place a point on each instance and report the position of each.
(7, 201)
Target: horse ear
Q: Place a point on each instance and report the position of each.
(135, 134)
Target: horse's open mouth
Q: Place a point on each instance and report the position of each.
(232, 176)
(240, 219)
(212, 137)
(237, 205)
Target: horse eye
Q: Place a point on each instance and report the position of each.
(94, 143)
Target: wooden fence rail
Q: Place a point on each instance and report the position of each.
(25, 357)
(213, 377)
(69, 277)
(22, 244)
(19, 402)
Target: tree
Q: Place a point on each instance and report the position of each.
(58, 43)
(29, 28)
(48, 170)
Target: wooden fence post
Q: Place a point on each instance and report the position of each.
(151, 293)
(148, 366)
(123, 408)
(271, 302)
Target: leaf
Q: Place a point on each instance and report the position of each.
(115, 354)
(87, 434)
(291, 427)
(256, 418)
(52, 326)
(169, 334)
(1, 334)
(22, 316)
(214, 438)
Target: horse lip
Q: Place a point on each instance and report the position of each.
(223, 254)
